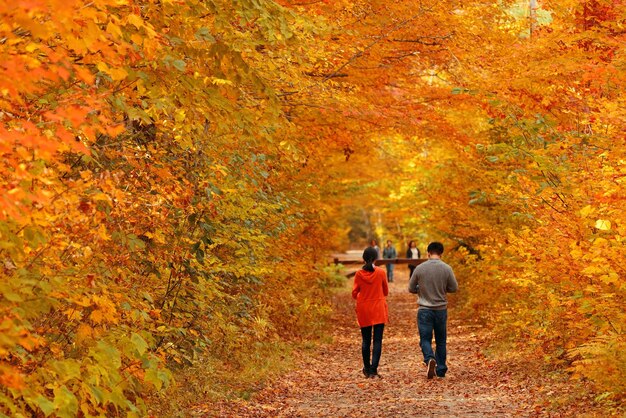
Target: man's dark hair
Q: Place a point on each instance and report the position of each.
(435, 248)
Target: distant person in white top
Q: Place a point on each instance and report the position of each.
(414, 253)
(431, 280)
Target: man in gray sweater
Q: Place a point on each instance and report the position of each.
(431, 280)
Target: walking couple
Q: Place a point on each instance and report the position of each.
(431, 280)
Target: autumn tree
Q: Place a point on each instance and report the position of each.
(173, 173)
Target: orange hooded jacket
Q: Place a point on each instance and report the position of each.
(370, 290)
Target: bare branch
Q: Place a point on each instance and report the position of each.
(426, 40)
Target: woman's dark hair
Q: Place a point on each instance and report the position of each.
(435, 248)
(369, 256)
(411, 242)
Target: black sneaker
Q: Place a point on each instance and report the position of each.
(431, 368)
(366, 372)
(374, 374)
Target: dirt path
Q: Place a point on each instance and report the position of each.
(331, 385)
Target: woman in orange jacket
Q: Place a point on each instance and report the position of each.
(370, 289)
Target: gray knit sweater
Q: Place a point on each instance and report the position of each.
(432, 280)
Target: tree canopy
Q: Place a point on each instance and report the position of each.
(174, 172)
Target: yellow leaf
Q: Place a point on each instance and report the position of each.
(160, 238)
(113, 29)
(101, 196)
(600, 242)
(91, 34)
(179, 116)
(576, 253)
(96, 316)
(102, 233)
(117, 74)
(586, 211)
(221, 81)
(31, 47)
(72, 314)
(102, 66)
(135, 20)
(136, 38)
(83, 332)
(603, 224)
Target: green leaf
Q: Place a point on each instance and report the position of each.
(65, 403)
(140, 344)
(34, 236)
(117, 397)
(164, 376)
(135, 242)
(10, 295)
(200, 256)
(203, 34)
(96, 393)
(152, 376)
(179, 65)
(106, 355)
(46, 406)
(66, 369)
(603, 396)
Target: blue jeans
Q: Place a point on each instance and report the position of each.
(390, 272)
(427, 322)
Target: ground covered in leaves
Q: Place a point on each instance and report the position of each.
(329, 383)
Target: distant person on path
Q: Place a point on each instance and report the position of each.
(431, 280)
(374, 245)
(412, 252)
(370, 290)
(389, 252)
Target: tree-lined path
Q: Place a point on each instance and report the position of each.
(173, 175)
(330, 383)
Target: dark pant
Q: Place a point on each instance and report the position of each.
(366, 333)
(427, 322)
(390, 272)
(411, 268)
